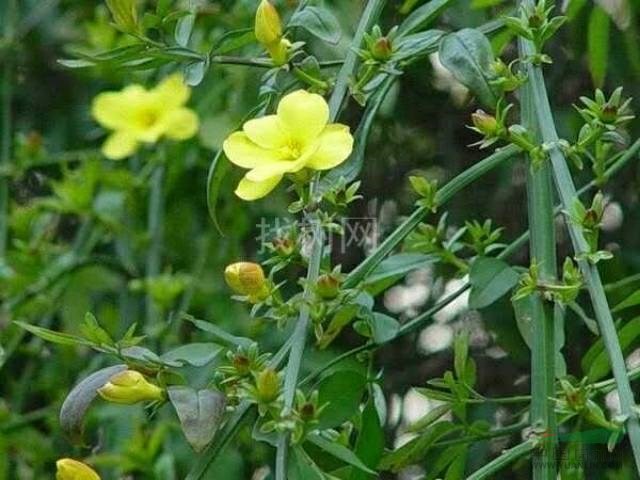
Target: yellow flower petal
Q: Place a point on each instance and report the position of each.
(119, 145)
(69, 469)
(112, 109)
(304, 115)
(246, 154)
(172, 92)
(248, 190)
(335, 146)
(266, 132)
(180, 124)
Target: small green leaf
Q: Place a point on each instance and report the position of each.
(595, 362)
(301, 467)
(468, 56)
(53, 336)
(598, 44)
(395, 267)
(233, 40)
(195, 354)
(319, 22)
(423, 16)
(79, 399)
(184, 27)
(200, 413)
(370, 443)
(631, 301)
(342, 392)
(339, 451)
(384, 328)
(92, 331)
(490, 279)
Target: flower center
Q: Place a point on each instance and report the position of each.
(147, 118)
(294, 149)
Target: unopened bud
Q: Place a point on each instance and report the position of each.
(247, 278)
(382, 49)
(268, 27)
(609, 113)
(284, 246)
(485, 123)
(328, 286)
(69, 469)
(268, 385)
(130, 387)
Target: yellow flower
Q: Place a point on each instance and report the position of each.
(69, 469)
(137, 115)
(130, 387)
(248, 279)
(297, 137)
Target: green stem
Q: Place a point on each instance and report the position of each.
(504, 460)
(155, 218)
(542, 251)
(298, 339)
(369, 16)
(568, 194)
(7, 121)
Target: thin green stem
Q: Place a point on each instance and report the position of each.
(155, 219)
(542, 243)
(568, 194)
(503, 461)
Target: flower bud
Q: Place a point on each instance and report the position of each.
(69, 469)
(382, 49)
(284, 246)
(328, 286)
(130, 387)
(485, 123)
(247, 278)
(268, 385)
(268, 27)
(124, 14)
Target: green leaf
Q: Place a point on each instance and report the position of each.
(79, 399)
(416, 450)
(341, 319)
(194, 72)
(92, 331)
(370, 443)
(301, 467)
(339, 451)
(417, 44)
(395, 267)
(184, 27)
(490, 279)
(319, 22)
(342, 392)
(423, 16)
(598, 44)
(631, 301)
(595, 362)
(468, 56)
(432, 416)
(219, 334)
(450, 457)
(384, 327)
(53, 336)
(233, 40)
(200, 413)
(195, 354)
